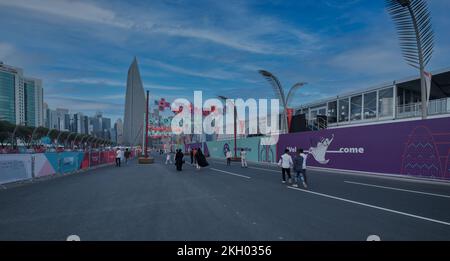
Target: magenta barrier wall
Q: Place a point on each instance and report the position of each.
(418, 148)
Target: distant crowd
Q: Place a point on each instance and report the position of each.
(286, 162)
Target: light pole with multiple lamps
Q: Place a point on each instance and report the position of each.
(285, 100)
(225, 99)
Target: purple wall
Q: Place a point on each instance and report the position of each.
(416, 148)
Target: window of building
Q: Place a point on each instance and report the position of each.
(356, 108)
(385, 102)
(332, 112)
(370, 105)
(343, 110)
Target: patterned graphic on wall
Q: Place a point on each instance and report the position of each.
(266, 153)
(447, 165)
(421, 156)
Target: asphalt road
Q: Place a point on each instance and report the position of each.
(155, 202)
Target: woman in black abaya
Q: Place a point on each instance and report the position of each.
(201, 159)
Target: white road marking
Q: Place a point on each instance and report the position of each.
(231, 173)
(271, 170)
(373, 206)
(398, 189)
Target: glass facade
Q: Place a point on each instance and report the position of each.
(386, 102)
(30, 103)
(7, 97)
(370, 105)
(356, 108)
(332, 112)
(343, 110)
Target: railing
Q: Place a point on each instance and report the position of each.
(440, 106)
(318, 124)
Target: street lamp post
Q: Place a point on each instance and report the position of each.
(279, 92)
(14, 133)
(74, 140)
(234, 124)
(32, 135)
(413, 23)
(67, 139)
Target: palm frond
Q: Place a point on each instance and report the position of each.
(276, 85)
(413, 23)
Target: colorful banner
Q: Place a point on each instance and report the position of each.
(15, 167)
(417, 148)
(255, 151)
(42, 165)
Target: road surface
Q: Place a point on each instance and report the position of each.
(155, 202)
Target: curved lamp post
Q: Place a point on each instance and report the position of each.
(413, 23)
(74, 140)
(234, 124)
(14, 133)
(279, 92)
(67, 139)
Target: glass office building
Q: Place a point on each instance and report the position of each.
(393, 101)
(7, 96)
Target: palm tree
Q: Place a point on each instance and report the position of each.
(413, 23)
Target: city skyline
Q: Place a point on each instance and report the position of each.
(84, 48)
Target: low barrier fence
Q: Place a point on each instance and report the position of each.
(21, 167)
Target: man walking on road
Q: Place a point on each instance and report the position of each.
(285, 163)
(168, 159)
(243, 158)
(118, 157)
(300, 168)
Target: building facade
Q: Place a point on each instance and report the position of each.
(21, 98)
(33, 102)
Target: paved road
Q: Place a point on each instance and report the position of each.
(155, 202)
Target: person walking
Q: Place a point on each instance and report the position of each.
(179, 160)
(243, 159)
(285, 163)
(127, 155)
(168, 160)
(195, 156)
(228, 155)
(300, 168)
(118, 156)
(191, 153)
(201, 159)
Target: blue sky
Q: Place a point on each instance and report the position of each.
(82, 49)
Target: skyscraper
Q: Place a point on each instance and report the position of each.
(134, 107)
(61, 118)
(33, 101)
(11, 94)
(21, 98)
(118, 126)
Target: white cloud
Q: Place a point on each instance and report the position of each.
(81, 104)
(6, 51)
(250, 38)
(219, 74)
(152, 86)
(95, 81)
(71, 9)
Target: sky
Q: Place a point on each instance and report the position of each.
(82, 49)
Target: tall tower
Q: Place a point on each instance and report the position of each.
(134, 107)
